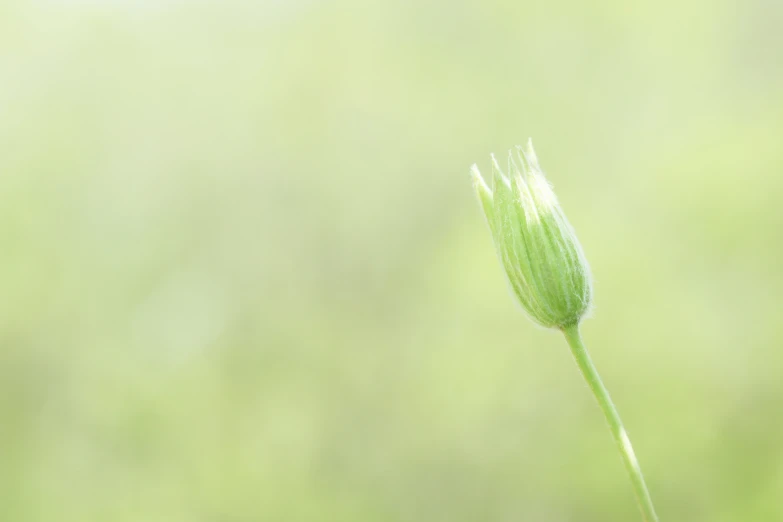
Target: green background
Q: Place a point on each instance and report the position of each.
(243, 276)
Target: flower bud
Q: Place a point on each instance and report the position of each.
(543, 260)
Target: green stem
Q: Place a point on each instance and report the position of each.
(613, 419)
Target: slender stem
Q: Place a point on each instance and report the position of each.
(613, 419)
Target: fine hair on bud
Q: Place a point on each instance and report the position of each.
(537, 247)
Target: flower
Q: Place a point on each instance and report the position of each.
(537, 247)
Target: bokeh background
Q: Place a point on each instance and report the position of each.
(243, 276)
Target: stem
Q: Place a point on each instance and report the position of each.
(613, 419)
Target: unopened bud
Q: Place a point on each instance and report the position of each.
(538, 248)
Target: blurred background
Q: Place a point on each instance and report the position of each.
(243, 275)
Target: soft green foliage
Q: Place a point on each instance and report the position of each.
(540, 253)
(243, 277)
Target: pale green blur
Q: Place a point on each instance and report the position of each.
(243, 274)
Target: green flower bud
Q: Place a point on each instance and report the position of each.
(543, 260)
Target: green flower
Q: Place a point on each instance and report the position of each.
(542, 257)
